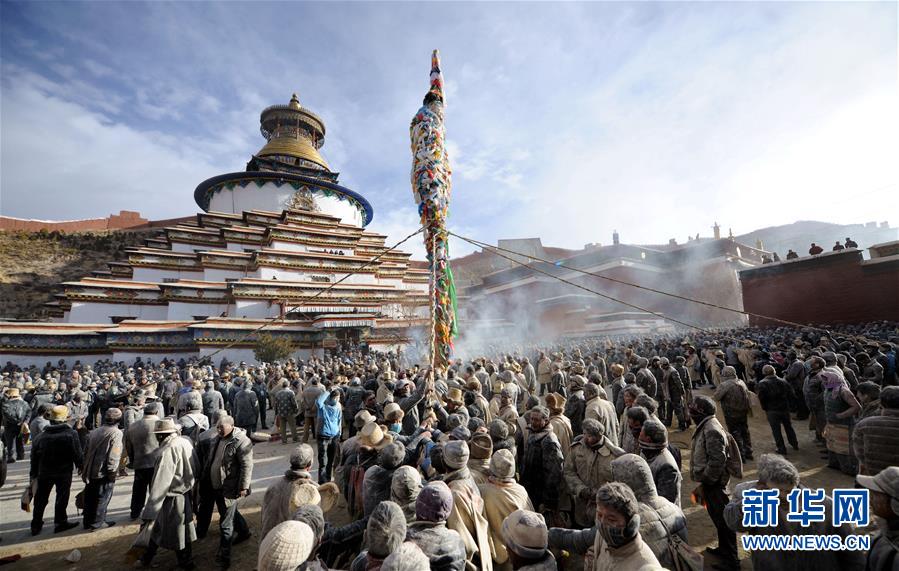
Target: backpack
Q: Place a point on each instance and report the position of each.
(734, 462)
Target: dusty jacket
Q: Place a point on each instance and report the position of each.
(658, 516)
(632, 556)
(541, 471)
(548, 563)
(884, 553)
(467, 517)
(282, 500)
(544, 371)
(708, 453)
(443, 546)
(104, 450)
(667, 476)
(245, 408)
(55, 452)
(167, 503)
(647, 381)
(212, 401)
(500, 500)
(575, 409)
(310, 396)
(588, 468)
(874, 442)
(795, 560)
(15, 412)
(141, 443)
(191, 400)
(237, 462)
(775, 394)
(561, 427)
(376, 487)
(602, 410)
(734, 397)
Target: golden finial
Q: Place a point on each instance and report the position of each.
(294, 102)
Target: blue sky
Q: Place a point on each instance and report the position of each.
(565, 120)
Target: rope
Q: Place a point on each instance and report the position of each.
(647, 288)
(281, 318)
(659, 315)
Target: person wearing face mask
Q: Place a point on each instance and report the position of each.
(630, 430)
(168, 507)
(618, 545)
(708, 468)
(659, 518)
(393, 415)
(666, 474)
(541, 470)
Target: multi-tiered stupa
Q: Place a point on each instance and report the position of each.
(269, 243)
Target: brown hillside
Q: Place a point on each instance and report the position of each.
(32, 264)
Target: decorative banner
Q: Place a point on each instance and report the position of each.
(431, 187)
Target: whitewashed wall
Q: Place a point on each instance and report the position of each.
(157, 275)
(219, 275)
(180, 310)
(93, 312)
(256, 309)
(270, 197)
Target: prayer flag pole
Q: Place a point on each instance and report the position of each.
(431, 186)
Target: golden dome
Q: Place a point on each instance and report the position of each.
(298, 147)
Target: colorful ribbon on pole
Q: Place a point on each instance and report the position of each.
(431, 188)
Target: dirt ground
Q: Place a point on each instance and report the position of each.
(105, 549)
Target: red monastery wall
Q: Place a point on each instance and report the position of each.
(124, 219)
(826, 289)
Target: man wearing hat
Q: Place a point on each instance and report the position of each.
(481, 448)
(502, 495)
(599, 409)
(541, 469)
(558, 422)
(311, 393)
(169, 507)
(378, 478)
(101, 465)
(212, 401)
(287, 546)
(708, 468)
(140, 446)
(443, 546)
(884, 552)
(587, 467)
(282, 498)
(53, 457)
(666, 474)
(467, 516)
(15, 412)
(230, 468)
(286, 409)
(526, 538)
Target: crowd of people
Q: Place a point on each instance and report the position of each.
(526, 457)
